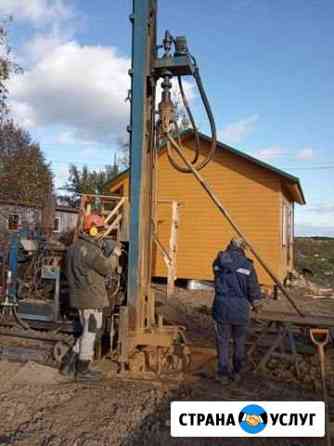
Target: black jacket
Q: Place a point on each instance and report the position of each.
(86, 269)
(236, 287)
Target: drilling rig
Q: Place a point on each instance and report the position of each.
(139, 341)
(143, 338)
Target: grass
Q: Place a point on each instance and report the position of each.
(316, 254)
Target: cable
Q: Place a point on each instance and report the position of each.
(212, 123)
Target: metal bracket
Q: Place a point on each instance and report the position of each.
(177, 65)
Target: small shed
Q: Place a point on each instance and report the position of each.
(259, 197)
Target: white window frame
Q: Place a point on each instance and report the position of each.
(18, 221)
(292, 223)
(287, 223)
(59, 225)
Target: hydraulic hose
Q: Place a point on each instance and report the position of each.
(209, 113)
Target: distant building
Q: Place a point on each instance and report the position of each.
(65, 219)
(14, 215)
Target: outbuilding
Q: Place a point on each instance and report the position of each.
(260, 198)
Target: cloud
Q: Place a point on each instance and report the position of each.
(305, 154)
(61, 173)
(37, 12)
(274, 152)
(67, 137)
(316, 219)
(40, 46)
(235, 132)
(322, 209)
(309, 230)
(79, 87)
(270, 153)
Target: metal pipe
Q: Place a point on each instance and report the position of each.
(222, 209)
(112, 197)
(191, 118)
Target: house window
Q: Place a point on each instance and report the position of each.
(287, 224)
(13, 222)
(292, 223)
(56, 225)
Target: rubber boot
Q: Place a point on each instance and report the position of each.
(69, 364)
(86, 374)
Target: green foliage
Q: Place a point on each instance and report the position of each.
(317, 255)
(7, 66)
(86, 181)
(25, 176)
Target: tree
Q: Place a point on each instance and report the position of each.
(7, 66)
(86, 181)
(123, 148)
(25, 176)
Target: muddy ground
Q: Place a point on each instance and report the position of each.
(38, 409)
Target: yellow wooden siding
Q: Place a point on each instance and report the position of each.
(251, 194)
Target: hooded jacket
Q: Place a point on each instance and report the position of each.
(86, 269)
(236, 287)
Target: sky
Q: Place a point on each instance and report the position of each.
(267, 67)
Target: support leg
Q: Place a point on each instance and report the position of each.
(261, 336)
(276, 343)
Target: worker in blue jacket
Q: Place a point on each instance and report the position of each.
(236, 291)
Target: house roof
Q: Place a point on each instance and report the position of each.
(67, 209)
(35, 206)
(290, 180)
(19, 204)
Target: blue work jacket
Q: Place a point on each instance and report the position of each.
(236, 287)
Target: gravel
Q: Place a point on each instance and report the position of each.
(49, 412)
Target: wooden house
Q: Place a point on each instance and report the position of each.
(259, 197)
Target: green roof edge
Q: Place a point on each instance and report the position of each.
(223, 146)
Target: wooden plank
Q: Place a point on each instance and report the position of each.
(113, 226)
(164, 253)
(115, 210)
(173, 248)
(309, 320)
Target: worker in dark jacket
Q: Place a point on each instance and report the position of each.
(236, 290)
(86, 270)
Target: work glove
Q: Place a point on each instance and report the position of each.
(111, 247)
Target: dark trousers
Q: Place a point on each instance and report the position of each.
(224, 332)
